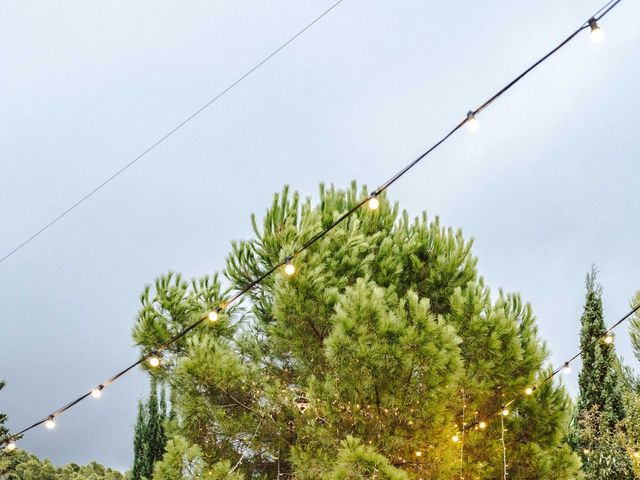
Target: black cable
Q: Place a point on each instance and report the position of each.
(168, 134)
(328, 229)
(559, 369)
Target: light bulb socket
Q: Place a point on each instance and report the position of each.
(593, 24)
(470, 115)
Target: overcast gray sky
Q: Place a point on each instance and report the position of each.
(547, 186)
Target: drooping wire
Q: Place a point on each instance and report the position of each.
(118, 172)
(327, 230)
(563, 366)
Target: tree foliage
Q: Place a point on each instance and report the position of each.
(4, 432)
(601, 420)
(20, 465)
(361, 365)
(149, 433)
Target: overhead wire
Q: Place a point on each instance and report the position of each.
(118, 172)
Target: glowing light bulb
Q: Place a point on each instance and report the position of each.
(455, 439)
(374, 203)
(596, 32)
(608, 339)
(472, 122)
(418, 453)
(505, 412)
(586, 451)
(11, 446)
(97, 392)
(289, 268)
(214, 315)
(482, 425)
(566, 369)
(528, 391)
(50, 423)
(154, 361)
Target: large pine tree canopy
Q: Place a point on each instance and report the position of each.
(359, 366)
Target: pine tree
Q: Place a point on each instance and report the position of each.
(363, 363)
(601, 406)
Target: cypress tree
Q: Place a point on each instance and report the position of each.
(139, 444)
(601, 405)
(149, 436)
(154, 433)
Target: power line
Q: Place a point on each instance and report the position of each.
(166, 135)
(371, 199)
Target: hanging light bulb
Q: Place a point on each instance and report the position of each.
(154, 361)
(97, 392)
(455, 438)
(374, 203)
(566, 369)
(11, 446)
(472, 122)
(482, 425)
(528, 391)
(214, 315)
(505, 412)
(608, 339)
(418, 453)
(50, 423)
(289, 268)
(596, 32)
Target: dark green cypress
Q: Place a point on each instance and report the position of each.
(139, 444)
(149, 436)
(601, 404)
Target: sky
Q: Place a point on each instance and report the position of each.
(547, 186)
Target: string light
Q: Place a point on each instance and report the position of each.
(455, 438)
(418, 453)
(374, 203)
(596, 32)
(50, 423)
(528, 391)
(289, 268)
(505, 412)
(566, 369)
(472, 122)
(214, 315)
(608, 339)
(154, 361)
(504, 445)
(482, 425)
(97, 392)
(11, 446)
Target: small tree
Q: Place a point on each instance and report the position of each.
(149, 436)
(601, 405)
